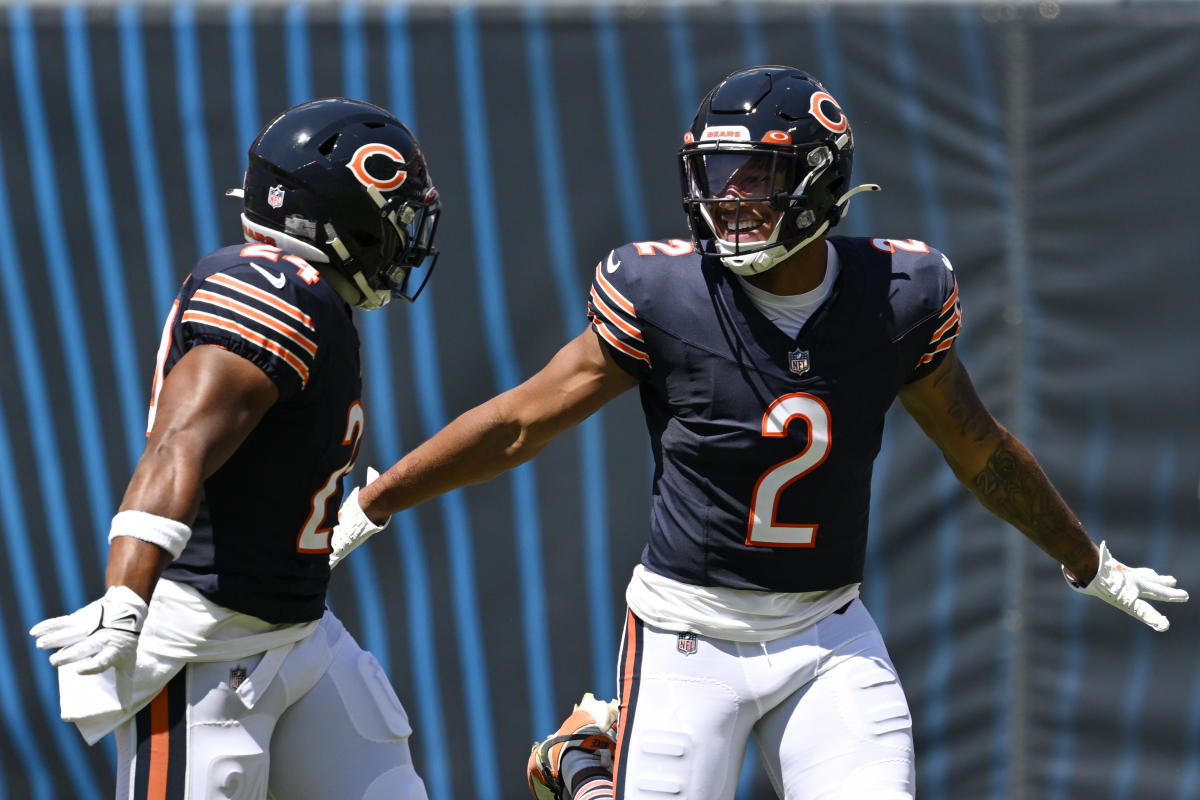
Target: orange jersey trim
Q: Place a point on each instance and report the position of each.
(615, 319)
(160, 740)
(616, 343)
(951, 300)
(950, 323)
(250, 290)
(250, 312)
(627, 677)
(614, 296)
(925, 359)
(204, 318)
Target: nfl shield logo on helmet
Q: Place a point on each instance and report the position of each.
(686, 643)
(798, 361)
(275, 197)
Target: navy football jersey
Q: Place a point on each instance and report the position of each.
(763, 443)
(260, 541)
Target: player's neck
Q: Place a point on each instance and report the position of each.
(802, 272)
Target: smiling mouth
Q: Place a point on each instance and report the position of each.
(747, 226)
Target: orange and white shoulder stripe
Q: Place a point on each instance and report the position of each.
(615, 318)
(261, 295)
(268, 322)
(950, 325)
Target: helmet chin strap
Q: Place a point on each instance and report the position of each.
(762, 260)
(354, 291)
(364, 296)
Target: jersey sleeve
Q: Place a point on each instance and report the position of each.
(614, 317)
(246, 312)
(947, 324)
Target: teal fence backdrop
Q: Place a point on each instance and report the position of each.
(1049, 150)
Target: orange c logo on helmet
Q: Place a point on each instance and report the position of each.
(820, 116)
(358, 165)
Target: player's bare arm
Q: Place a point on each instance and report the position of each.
(503, 432)
(209, 403)
(996, 467)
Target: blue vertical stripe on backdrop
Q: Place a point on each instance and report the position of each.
(1062, 728)
(754, 47)
(858, 220)
(365, 582)
(942, 603)
(571, 300)
(1133, 711)
(75, 357)
(941, 661)
(143, 154)
(244, 78)
(506, 372)
(995, 150)
(18, 548)
(49, 476)
(830, 72)
(993, 147)
(109, 260)
(428, 380)
(295, 20)
(628, 190)
(189, 88)
(683, 67)
(914, 119)
(48, 459)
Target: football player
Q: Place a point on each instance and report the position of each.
(767, 354)
(212, 655)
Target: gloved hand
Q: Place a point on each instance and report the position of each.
(1123, 587)
(102, 634)
(353, 527)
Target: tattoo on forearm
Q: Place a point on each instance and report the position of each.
(1013, 486)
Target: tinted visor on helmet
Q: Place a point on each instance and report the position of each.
(748, 175)
(740, 194)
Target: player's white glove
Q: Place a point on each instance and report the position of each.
(102, 634)
(1123, 587)
(353, 527)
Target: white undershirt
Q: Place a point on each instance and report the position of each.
(789, 312)
(735, 615)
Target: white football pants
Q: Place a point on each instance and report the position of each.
(328, 725)
(825, 707)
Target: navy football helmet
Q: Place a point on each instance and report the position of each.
(765, 167)
(344, 185)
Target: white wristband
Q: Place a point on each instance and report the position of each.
(169, 534)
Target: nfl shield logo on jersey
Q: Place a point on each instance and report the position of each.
(275, 197)
(798, 361)
(686, 643)
(237, 676)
